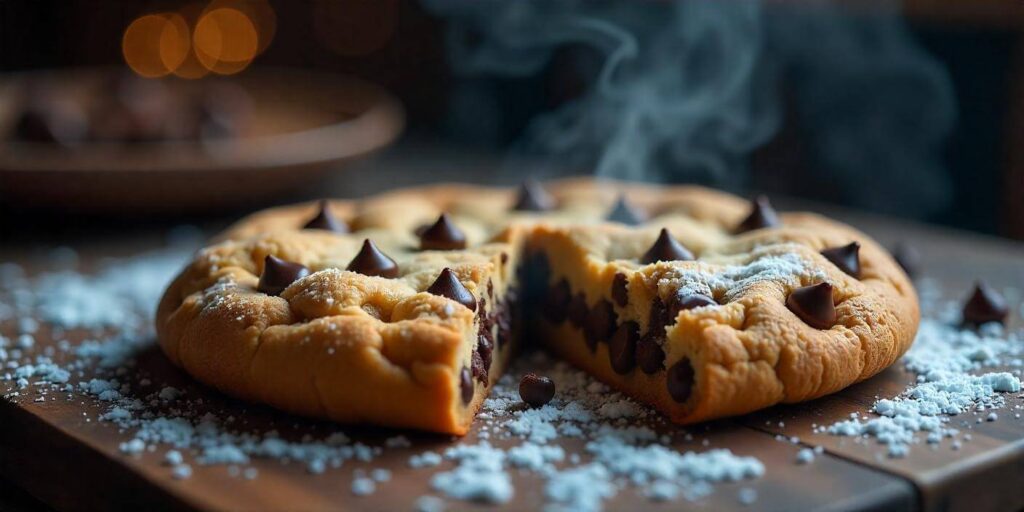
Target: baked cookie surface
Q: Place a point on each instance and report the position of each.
(694, 301)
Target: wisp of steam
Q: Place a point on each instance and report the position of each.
(687, 90)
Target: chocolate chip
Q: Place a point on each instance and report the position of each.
(476, 361)
(649, 354)
(624, 213)
(762, 215)
(448, 286)
(556, 303)
(659, 317)
(814, 305)
(541, 268)
(46, 120)
(666, 248)
(620, 293)
(536, 390)
(846, 257)
(503, 317)
(443, 235)
(682, 302)
(533, 198)
(679, 380)
(599, 324)
(278, 274)
(622, 347)
(466, 385)
(984, 305)
(577, 312)
(907, 257)
(326, 220)
(371, 262)
(485, 347)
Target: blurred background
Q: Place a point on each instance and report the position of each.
(182, 110)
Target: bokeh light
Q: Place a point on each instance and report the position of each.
(259, 12)
(175, 43)
(221, 36)
(141, 45)
(225, 40)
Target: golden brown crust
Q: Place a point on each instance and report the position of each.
(353, 348)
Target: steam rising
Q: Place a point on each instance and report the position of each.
(687, 90)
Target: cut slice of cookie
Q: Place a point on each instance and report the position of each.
(370, 330)
(402, 310)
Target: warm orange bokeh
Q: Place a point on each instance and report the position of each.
(222, 36)
(175, 43)
(225, 40)
(141, 45)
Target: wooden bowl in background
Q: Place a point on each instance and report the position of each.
(301, 126)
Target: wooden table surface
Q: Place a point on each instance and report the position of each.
(59, 457)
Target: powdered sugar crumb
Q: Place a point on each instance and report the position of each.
(951, 364)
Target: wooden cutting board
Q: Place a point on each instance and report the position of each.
(60, 454)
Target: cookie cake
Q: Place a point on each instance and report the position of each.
(403, 309)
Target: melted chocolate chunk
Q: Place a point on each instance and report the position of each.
(278, 274)
(485, 347)
(371, 262)
(846, 257)
(649, 354)
(624, 213)
(622, 347)
(533, 198)
(577, 311)
(504, 316)
(984, 305)
(466, 385)
(907, 257)
(814, 305)
(620, 291)
(599, 324)
(325, 220)
(686, 302)
(477, 363)
(556, 303)
(487, 320)
(536, 390)
(666, 248)
(448, 286)
(443, 235)
(762, 215)
(541, 268)
(679, 380)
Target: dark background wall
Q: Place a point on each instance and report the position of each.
(401, 45)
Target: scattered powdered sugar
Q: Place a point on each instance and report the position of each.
(950, 362)
(618, 453)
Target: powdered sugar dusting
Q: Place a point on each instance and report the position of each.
(788, 270)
